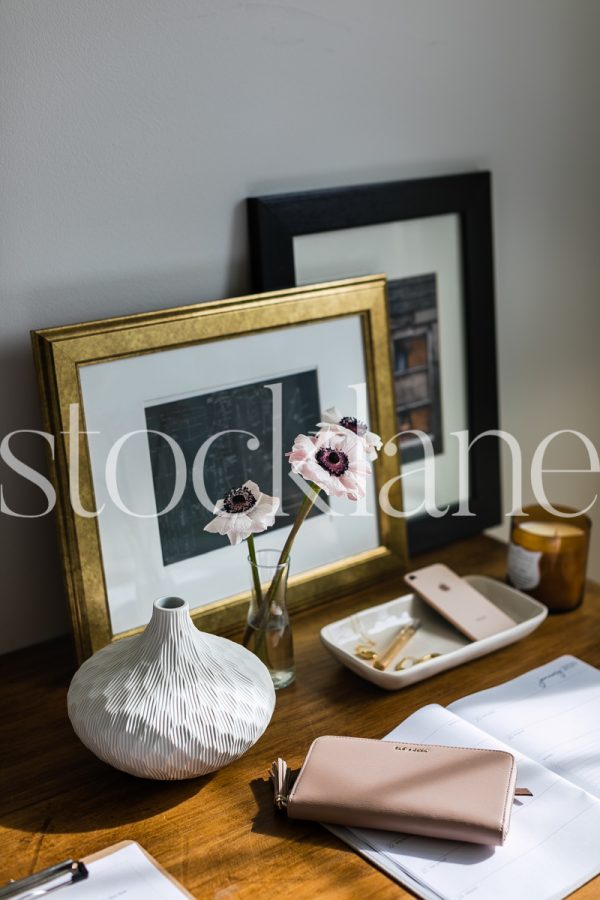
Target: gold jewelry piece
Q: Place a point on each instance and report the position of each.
(407, 662)
(381, 661)
(364, 652)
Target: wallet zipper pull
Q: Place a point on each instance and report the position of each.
(281, 779)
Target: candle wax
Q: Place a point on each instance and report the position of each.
(550, 529)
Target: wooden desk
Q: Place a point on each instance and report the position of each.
(219, 834)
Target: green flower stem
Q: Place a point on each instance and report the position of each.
(259, 599)
(263, 612)
(307, 505)
(254, 567)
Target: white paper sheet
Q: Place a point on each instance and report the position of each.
(552, 714)
(127, 874)
(551, 848)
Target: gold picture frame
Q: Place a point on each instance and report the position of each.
(61, 356)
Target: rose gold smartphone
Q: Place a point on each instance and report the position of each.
(454, 599)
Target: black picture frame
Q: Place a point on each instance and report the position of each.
(274, 221)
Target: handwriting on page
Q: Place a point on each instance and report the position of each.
(548, 681)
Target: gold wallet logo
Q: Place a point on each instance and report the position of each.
(411, 749)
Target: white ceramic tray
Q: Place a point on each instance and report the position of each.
(380, 623)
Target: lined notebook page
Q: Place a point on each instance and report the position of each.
(551, 848)
(551, 713)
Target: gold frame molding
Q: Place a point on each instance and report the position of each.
(60, 352)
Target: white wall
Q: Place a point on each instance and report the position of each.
(134, 129)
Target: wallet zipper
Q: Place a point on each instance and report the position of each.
(281, 780)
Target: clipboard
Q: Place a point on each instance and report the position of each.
(114, 848)
(81, 873)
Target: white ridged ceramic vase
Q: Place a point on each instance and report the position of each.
(172, 702)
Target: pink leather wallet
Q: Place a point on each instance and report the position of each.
(445, 792)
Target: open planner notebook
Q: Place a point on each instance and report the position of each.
(549, 719)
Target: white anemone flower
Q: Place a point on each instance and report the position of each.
(332, 418)
(243, 511)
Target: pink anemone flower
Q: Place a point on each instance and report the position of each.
(332, 418)
(333, 459)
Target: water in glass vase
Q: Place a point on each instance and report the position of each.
(269, 628)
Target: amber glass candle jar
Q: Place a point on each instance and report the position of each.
(547, 556)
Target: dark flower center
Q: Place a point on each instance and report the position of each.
(333, 461)
(354, 424)
(239, 500)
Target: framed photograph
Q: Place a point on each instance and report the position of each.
(433, 239)
(218, 392)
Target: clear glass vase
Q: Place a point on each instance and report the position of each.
(270, 632)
